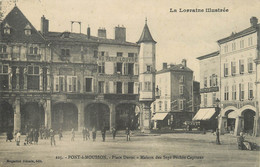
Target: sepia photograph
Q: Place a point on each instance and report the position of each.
(113, 83)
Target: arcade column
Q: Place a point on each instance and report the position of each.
(146, 116)
(239, 126)
(81, 116)
(17, 115)
(112, 121)
(47, 108)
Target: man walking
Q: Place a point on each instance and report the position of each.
(84, 133)
(17, 138)
(103, 132)
(94, 133)
(114, 132)
(217, 135)
(127, 134)
(52, 137)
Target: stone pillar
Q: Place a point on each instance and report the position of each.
(239, 126)
(146, 116)
(81, 116)
(222, 124)
(48, 113)
(41, 79)
(10, 78)
(17, 115)
(112, 121)
(25, 78)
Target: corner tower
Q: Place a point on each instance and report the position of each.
(146, 76)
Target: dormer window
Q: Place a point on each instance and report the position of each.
(28, 30)
(7, 29)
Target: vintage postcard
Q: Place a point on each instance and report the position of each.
(129, 83)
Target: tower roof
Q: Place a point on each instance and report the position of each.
(146, 35)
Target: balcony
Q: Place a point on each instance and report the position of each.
(33, 57)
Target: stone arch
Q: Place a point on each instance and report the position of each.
(64, 116)
(244, 108)
(247, 114)
(227, 109)
(97, 114)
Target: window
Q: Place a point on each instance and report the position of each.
(4, 79)
(181, 79)
(226, 48)
(7, 29)
(233, 68)
(234, 92)
(233, 46)
(205, 100)
(130, 68)
(95, 54)
(205, 82)
(102, 53)
(241, 66)
(180, 104)
(33, 50)
(33, 77)
(250, 41)
(147, 86)
(101, 87)
(241, 44)
(130, 54)
(181, 89)
(165, 106)
(250, 65)
(101, 67)
(148, 68)
(214, 79)
(130, 87)
(119, 87)
(241, 92)
(250, 91)
(71, 83)
(27, 32)
(3, 48)
(226, 93)
(225, 69)
(88, 84)
(160, 105)
(119, 54)
(119, 68)
(65, 52)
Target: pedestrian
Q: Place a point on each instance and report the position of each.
(41, 132)
(72, 134)
(114, 132)
(52, 135)
(127, 134)
(217, 137)
(36, 136)
(87, 134)
(30, 136)
(94, 133)
(60, 134)
(9, 136)
(103, 132)
(17, 138)
(84, 133)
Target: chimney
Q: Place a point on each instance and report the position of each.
(253, 21)
(120, 33)
(102, 33)
(184, 62)
(88, 32)
(164, 66)
(44, 25)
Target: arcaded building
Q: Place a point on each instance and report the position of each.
(65, 79)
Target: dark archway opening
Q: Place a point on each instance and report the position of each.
(248, 120)
(126, 116)
(65, 116)
(6, 117)
(97, 115)
(32, 116)
(231, 120)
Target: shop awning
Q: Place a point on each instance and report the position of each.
(233, 114)
(204, 114)
(159, 116)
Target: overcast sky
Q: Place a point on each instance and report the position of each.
(178, 35)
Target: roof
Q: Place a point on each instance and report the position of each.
(204, 114)
(242, 33)
(177, 67)
(80, 37)
(18, 23)
(208, 55)
(146, 35)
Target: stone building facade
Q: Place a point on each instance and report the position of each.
(67, 80)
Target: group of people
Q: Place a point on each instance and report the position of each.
(32, 137)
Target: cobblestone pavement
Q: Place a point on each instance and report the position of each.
(176, 149)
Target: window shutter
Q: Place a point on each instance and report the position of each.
(115, 68)
(126, 87)
(69, 84)
(136, 87)
(115, 90)
(56, 84)
(135, 69)
(107, 87)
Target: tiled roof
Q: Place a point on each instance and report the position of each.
(79, 37)
(208, 55)
(177, 67)
(18, 22)
(242, 33)
(146, 35)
